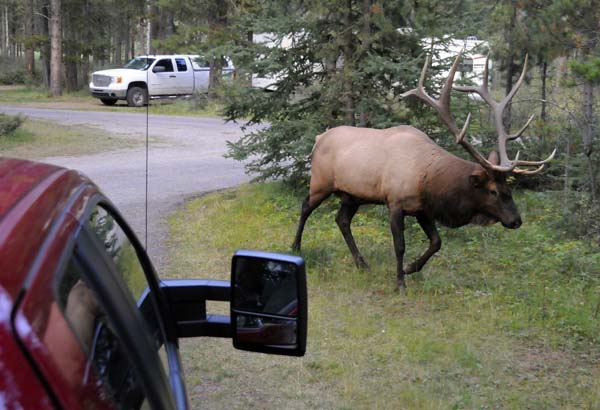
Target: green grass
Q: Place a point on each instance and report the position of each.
(37, 139)
(498, 319)
(81, 100)
(40, 95)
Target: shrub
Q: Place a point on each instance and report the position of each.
(15, 76)
(9, 124)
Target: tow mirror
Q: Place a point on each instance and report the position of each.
(268, 303)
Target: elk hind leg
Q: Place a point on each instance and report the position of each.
(397, 225)
(435, 243)
(348, 209)
(310, 203)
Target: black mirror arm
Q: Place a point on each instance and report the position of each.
(187, 299)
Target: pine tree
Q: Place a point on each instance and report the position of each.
(333, 62)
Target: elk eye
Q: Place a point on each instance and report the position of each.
(494, 192)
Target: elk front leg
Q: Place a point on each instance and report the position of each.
(344, 217)
(397, 224)
(435, 243)
(310, 203)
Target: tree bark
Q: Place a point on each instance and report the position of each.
(127, 38)
(567, 184)
(28, 32)
(588, 113)
(348, 50)
(5, 37)
(218, 24)
(588, 133)
(118, 55)
(507, 115)
(366, 45)
(154, 27)
(543, 115)
(42, 20)
(55, 47)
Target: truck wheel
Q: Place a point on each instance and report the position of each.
(108, 101)
(137, 97)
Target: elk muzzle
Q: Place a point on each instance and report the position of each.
(513, 223)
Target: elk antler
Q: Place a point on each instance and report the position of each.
(442, 106)
(498, 108)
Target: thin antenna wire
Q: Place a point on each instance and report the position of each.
(147, 115)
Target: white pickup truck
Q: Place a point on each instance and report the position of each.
(156, 76)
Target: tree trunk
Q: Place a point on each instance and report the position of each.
(588, 114)
(55, 47)
(347, 50)
(507, 115)
(28, 32)
(118, 57)
(84, 70)
(218, 24)
(366, 45)
(544, 78)
(214, 76)
(588, 133)
(127, 38)
(567, 184)
(87, 37)
(154, 27)
(70, 69)
(42, 20)
(6, 42)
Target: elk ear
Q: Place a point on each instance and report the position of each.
(477, 178)
(494, 158)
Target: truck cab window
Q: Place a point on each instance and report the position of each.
(181, 64)
(166, 63)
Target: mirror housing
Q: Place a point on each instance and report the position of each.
(268, 303)
(158, 69)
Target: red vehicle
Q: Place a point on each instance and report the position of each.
(85, 321)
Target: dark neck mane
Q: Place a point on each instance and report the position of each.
(448, 193)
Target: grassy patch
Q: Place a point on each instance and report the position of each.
(41, 95)
(498, 319)
(81, 100)
(197, 107)
(37, 139)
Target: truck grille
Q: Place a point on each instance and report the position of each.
(101, 80)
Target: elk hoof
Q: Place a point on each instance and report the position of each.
(361, 264)
(401, 285)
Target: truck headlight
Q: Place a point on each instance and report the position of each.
(117, 80)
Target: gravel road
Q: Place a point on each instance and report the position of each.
(187, 161)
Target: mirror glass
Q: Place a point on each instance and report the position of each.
(265, 286)
(264, 330)
(268, 303)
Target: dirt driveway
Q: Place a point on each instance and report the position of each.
(187, 161)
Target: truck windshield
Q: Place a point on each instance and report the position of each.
(140, 63)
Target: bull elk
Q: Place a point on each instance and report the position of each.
(404, 169)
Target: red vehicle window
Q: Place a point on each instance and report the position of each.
(107, 365)
(120, 249)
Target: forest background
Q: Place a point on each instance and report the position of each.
(347, 63)
(499, 319)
